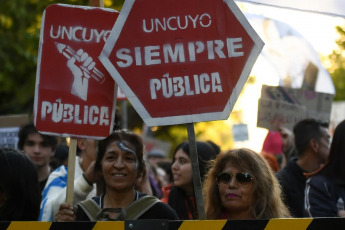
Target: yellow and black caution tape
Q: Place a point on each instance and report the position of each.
(272, 224)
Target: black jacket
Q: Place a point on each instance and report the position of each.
(292, 180)
(323, 198)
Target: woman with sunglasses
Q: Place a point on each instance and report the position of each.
(180, 195)
(120, 162)
(242, 185)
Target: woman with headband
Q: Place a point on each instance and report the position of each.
(242, 185)
(120, 162)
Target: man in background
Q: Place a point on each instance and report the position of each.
(312, 141)
(39, 148)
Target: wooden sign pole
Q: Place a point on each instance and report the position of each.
(71, 170)
(73, 143)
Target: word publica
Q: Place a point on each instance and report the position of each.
(155, 55)
(68, 113)
(78, 33)
(180, 86)
(177, 22)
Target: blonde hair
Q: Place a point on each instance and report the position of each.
(267, 192)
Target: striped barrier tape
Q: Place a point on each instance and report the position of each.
(272, 224)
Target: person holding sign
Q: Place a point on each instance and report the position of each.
(85, 178)
(120, 161)
(180, 196)
(242, 185)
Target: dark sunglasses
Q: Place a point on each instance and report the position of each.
(242, 177)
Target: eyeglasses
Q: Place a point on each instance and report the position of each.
(241, 177)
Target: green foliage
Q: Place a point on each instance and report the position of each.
(337, 70)
(18, 55)
(175, 134)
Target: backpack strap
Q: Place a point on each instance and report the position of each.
(91, 208)
(140, 206)
(131, 212)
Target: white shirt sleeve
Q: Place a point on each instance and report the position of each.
(54, 193)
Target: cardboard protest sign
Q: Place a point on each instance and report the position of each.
(9, 128)
(198, 54)
(283, 106)
(75, 96)
(272, 114)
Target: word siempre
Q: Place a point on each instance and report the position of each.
(180, 52)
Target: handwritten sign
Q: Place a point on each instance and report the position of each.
(283, 106)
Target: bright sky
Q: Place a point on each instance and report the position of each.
(317, 28)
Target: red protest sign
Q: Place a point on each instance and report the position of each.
(181, 64)
(74, 96)
(120, 95)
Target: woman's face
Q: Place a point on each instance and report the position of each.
(182, 171)
(236, 197)
(120, 167)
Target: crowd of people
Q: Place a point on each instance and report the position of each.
(116, 179)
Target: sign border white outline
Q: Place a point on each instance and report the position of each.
(38, 76)
(181, 119)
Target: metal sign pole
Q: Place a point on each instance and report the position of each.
(196, 175)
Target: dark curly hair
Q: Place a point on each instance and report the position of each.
(178, 199)
(19, 186)
(30, 128)
(122, 135)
